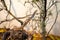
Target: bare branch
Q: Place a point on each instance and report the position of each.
(55, 19)
(10, 12)
(35, 4)
(38, 7)
(49, 3)
(14, 19)
(27, 20)
(53, 4)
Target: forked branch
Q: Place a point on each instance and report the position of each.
(10, 12)
(27, 20)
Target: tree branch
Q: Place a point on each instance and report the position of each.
(55, 19)
(52, 5)
(26, 22)
(14, 19)
(10, 12)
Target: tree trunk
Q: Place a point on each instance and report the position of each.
(43, 18)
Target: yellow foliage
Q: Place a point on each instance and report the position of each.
(36, 36)
(2, 30)
(53, 37)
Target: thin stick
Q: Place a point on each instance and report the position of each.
(27, 20)
(10, 12)
(55, 19)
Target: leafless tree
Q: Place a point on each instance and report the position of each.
(42, 6)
